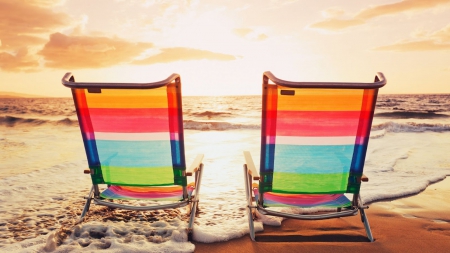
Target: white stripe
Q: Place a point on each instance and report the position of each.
(295, 140)
(132, 136)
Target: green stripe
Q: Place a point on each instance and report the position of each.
(309, 183)
(138, 176)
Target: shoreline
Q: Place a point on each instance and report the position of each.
(419, 223)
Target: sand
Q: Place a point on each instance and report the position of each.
(419, 223)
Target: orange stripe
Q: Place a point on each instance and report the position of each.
(320, 100)
(131, 98)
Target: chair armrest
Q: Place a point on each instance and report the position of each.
(195, 165)
(251, 169)
(364, 178)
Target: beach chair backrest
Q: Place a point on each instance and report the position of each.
(132, 133)
(314, 135)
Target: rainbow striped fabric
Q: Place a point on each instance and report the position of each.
(133, 137)
(304, 200)
(162, 193)
(313, 141)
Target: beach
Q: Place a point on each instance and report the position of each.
(42, 185)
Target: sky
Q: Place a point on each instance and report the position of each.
(222, 47)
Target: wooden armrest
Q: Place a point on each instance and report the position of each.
(364, 178)
(195, 165)
(87, 171)
(251, 169)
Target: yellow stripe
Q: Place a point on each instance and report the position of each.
(128, 98)
(320, 100)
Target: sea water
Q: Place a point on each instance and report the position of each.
(42, 161)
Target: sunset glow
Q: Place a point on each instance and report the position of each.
(222, 47)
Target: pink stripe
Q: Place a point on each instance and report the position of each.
(174, 137)
(313, 123)
(122, 192)
(300, 199)
(129, 120)
(360, 140)
(270, 139)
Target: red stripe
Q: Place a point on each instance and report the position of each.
(319, 123)
(130, 120)
(82, 111)
(368, 107)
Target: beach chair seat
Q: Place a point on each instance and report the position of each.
(134, 143)
(272, 199)
(314, 138)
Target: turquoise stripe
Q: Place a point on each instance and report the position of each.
(135, 153)
(308, 159)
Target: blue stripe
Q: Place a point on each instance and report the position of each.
(269, 157)
(359, 157)
(177, 160)
(134, 153)
(91, 152)
(313, 159)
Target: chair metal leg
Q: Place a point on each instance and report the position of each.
(87, 205)
(248, 193)
(365, 220)
(198, 177)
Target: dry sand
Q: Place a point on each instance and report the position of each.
(419, 223)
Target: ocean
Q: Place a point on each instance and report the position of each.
(42, 184)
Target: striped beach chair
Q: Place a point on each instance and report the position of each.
(314, 137)
(133, 137)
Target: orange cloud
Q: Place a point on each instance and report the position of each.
(439, 40)
(336, 23)
(22, 23)
(21, 61)
(250, 34)
(74, 52)
(184, 54)
(242, 32)
(424, 45)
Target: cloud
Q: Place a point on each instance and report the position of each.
(250, 34)
(23, 27)
(334, 22)
(438, 40)
(337, 24)
(184, 54)
(424, 45)
(23, 23)
(20, 61)
(74, 52)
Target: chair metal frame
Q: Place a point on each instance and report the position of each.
(251, 174)
(196, 168)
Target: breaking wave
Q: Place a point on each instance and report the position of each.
(410, 127)
(12, 121)
(412, 115)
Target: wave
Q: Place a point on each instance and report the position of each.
(12, 121)
(412, 114)
(210, 114)
(378, 130)
(410, 127)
